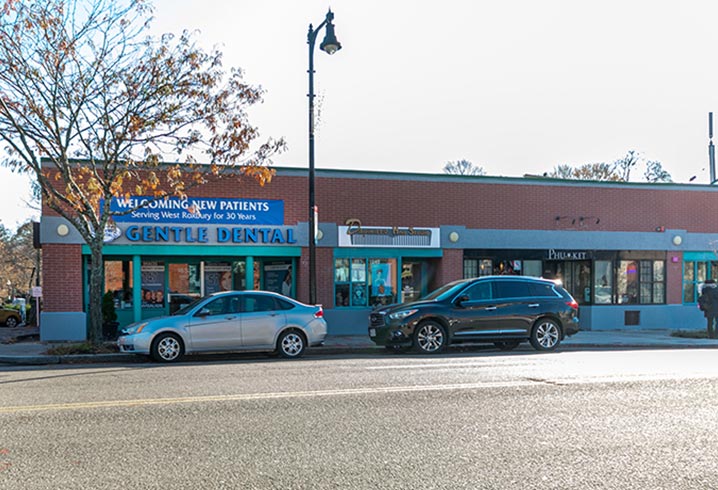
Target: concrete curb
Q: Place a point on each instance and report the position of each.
(30, 360)
(38, 360)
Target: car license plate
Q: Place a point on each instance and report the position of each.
(372, 332)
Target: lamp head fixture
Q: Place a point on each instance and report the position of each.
(330, 45)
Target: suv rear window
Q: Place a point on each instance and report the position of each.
(538, 289)
(511, 289)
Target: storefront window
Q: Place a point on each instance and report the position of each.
(278, 277)
(471, 268)
(358, 275)
(689, 282)
(239, 277)
(118, 281)
(217, 277)
(641, 282)
(477, 268)
(507, 268)
(365, 282)
(603, 282)
(153, 285)
(694, 275)
(532, 268)
(382, 286)
(184, 284)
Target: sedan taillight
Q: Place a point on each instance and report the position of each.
(319, 313)
(573, 304)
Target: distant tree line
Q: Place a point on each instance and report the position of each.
(618, 171)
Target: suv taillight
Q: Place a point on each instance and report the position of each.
(573, 304)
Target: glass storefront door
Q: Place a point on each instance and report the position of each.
(417, 276)
(413, 283)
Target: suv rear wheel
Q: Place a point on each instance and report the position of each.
(546, 335)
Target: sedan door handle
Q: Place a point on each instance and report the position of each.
(230, 317)
(534, 305)
(490, 308)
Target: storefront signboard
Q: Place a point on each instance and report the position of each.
(199, 210)
(553, 254)
(356, 235)
(121, 234)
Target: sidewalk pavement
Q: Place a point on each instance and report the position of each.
(21, 345)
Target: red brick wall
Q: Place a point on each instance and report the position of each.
(450, 267)
(491, 204)
(62, 277)
(514, 206)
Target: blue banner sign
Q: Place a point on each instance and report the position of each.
(199, 210)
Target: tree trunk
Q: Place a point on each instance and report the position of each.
(97, 286)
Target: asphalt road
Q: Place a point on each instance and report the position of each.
(616, 420)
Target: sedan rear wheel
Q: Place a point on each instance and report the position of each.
(546, 335)
(291, 344)
(429, 338)
(11, 322)
(167, 347)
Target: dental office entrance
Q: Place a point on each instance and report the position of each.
(172, 277)
(159, 258)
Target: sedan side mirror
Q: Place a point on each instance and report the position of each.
(203, 312)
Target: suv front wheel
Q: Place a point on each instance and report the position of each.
(546, 335)
(430, 337)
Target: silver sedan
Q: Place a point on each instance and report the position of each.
(229, 321)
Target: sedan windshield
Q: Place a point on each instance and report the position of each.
(445, 291)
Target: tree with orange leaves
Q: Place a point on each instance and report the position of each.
(91, 105)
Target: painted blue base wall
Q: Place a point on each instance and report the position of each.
(345, 321)
(671, 317)
(63, 326)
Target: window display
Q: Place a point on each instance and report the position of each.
(118, 281)
(351, 287)
(153, 285)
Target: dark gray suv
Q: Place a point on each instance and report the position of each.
(503, 310)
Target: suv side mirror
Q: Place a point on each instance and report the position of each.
(461, 299)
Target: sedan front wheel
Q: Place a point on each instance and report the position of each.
(546, 335)
(167, 348)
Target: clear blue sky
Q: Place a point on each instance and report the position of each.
(516, 87)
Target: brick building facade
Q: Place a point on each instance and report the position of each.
(633, 255)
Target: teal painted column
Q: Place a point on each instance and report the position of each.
(249, 273)
(136, 288)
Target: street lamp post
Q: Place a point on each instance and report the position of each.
(330, 45)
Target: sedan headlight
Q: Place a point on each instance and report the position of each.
(133, 329)
(400, 315)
